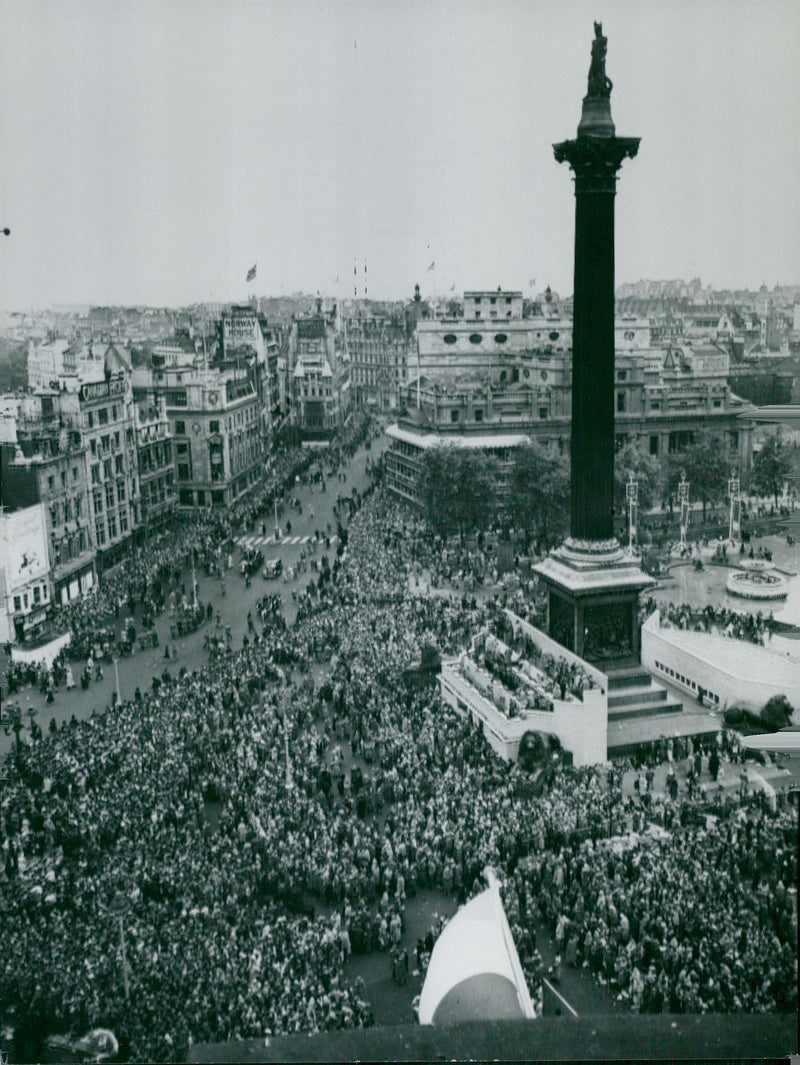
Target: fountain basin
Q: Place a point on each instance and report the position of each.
(755, 579)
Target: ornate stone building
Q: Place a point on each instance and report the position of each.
(47, 464)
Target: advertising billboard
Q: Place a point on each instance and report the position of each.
(24, 539)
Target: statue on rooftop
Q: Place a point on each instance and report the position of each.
(599, 85)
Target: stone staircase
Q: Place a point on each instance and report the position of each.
(632, 693)
(641, 711)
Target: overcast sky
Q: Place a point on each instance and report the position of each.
(153, 152)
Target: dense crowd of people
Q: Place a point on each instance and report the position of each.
(738, 625)
(213, 816)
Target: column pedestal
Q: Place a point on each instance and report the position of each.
(593, 600)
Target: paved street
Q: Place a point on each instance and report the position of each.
(233, 605)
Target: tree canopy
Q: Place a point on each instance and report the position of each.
(458, 488)
(540, 492)
(647, 473)
(772, 467)
(707, 463)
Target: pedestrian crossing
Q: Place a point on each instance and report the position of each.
(269, 541)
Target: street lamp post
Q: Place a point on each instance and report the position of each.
(116, 678)
(683, 500)
(632, 496)
(733, 492)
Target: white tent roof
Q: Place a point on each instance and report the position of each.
(474, 971)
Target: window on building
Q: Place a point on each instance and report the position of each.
(542, 413)
(63, 478)
(620, 402)
(121, 491)
(98, 501)
(74, 473)
(51, 483)
(117, 440)
(114, 411)
(655, 405)
(123, 521)
(100, 533)
(90, 419)
(118, 463)
(67, 510)
(213, 426)
(453, 415)
(622, 375)
(93, 446)
(201, 497)
(112, 526)
(102, 416)
(107, 468)
(37, 594)
(180, 428)
(17, 604)
(717, 403)
(109, 495)
(653, 445)
(478, 415)
(183, 471)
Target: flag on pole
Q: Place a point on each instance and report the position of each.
(452, 288)
(251, 273)
(433, 264)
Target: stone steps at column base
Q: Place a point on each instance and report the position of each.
(665, 708)
(627, 733)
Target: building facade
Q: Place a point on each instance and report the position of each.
(663, 400)
(320, 379)
(216, 426)
(157, 488)
(377, 350)
(24, 572)
(109, 428)
(46, 464)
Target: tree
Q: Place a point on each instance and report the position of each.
(458, 488)
(772, 467)
(540, 491)
(647, 473)
(707, 465)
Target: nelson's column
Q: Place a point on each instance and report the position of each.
(593, 586)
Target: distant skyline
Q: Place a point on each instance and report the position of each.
(154, 151)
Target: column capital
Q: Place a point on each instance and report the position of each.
(596, 160)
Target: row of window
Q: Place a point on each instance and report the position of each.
(115, 527)
(40, 594)
(687, 682)
(68, 548)
(51, 481)
(64, 510)
(101, 416)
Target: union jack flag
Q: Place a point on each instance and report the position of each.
(251, 273)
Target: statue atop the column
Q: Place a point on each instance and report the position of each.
(599, 85)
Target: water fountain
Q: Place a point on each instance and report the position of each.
(755, 579)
